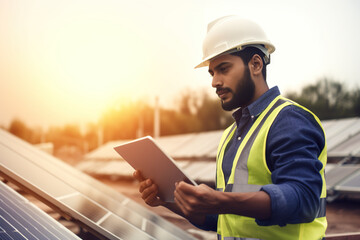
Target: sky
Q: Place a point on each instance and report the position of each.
(66, 62)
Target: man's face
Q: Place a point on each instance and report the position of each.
(232, 81)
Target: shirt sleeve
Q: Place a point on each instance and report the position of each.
(294, 143)
(210, 223)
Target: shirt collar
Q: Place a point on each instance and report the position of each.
(259, 105)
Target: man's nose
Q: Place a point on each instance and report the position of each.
(216, 81)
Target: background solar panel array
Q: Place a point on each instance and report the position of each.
(20, 219)
(112, 215)
(103, 210)
(342, 137)
(194, 149)
(196, 152)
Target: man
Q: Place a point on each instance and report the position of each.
(270, 162)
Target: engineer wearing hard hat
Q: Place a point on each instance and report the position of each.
(270, 162)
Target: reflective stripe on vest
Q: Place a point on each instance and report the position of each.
(241, 172)
(252, 152)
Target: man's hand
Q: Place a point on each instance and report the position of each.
(202, 200)
(149, 193)
(196, 200)
(149, 190)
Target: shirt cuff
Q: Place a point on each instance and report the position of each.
(279, 206)
(210, 223)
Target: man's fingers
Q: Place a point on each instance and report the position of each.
(150, 196)
(144, 185)
(185, 188)
(150, 190)
(138, 176)
(181, 198)
(179, 201)
(152, 199)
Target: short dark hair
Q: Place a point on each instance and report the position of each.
(248, 53)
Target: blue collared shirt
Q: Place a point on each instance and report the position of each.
(294, 143)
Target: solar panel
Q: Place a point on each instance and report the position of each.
(350, 147)
(202, 170)
(344, 132)
(20, 219)
(101, 209)
(337, 127)
(183, 146)
(338, 173)
(351, 184)
(202, 145)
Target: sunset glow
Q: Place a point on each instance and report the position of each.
(67, 61)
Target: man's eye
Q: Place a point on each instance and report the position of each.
(224, 69)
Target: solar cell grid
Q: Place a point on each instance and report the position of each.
(19, 219)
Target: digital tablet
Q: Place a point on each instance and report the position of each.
(145, 155)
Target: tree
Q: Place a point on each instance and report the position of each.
(194, 111)
(356, 100)
(328, 99)
(68, 135)
(211, 115)
(21, 130)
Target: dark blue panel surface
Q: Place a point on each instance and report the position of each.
(19, 219)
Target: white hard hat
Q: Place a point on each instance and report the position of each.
(233, 33)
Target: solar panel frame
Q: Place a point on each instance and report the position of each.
(74, 181)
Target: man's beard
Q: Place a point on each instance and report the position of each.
(244, 92)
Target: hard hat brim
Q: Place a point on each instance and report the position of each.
(270, 49)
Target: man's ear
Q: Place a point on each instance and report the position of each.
(256, 65)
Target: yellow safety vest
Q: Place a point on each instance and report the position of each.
(250, 172)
